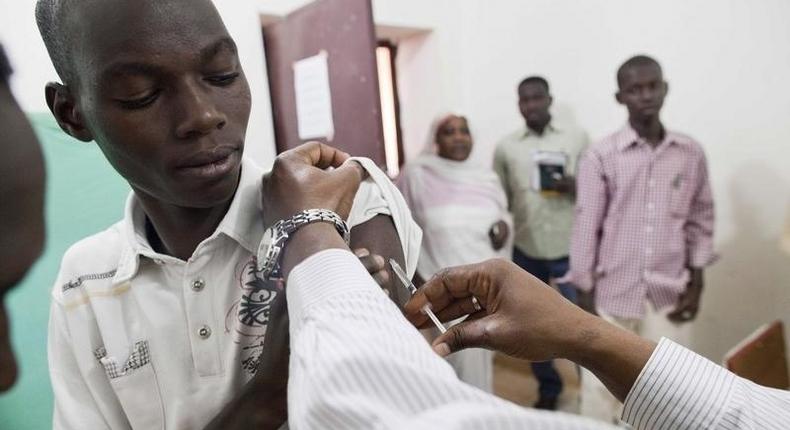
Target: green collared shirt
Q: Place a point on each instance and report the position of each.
(543, 222)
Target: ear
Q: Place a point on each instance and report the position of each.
(63, 106)
(619, 97)
(666, 88)
(551, 101)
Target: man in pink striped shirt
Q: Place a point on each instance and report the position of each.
(644, 224)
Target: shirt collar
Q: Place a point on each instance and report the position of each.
(242, 223)
(552, 127)
(627, 138)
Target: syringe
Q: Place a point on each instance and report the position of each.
(412, 290)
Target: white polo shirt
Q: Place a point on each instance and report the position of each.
(143, 340)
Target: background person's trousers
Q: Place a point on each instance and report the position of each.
(595, 401)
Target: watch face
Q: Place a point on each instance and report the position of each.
(268, 236)
(263, 247)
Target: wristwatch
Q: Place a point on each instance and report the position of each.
(276, 237)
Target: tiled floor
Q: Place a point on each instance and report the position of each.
(513, 380)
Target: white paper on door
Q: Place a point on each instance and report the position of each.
(313, 97)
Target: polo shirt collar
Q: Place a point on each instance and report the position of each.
(242, 223)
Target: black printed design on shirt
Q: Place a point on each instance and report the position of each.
(248, 317)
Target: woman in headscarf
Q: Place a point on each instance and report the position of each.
(462, 210)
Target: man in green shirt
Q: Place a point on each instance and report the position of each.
(536, 165)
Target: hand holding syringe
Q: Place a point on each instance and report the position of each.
(412, 290)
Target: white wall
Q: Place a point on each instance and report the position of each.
(726, 61)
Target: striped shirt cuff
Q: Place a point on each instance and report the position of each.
(322, 276)
(678, 389)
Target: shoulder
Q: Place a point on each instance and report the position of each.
(688, 142)
(94, 257)
(605, 146)
(509, 139)
(377, 195)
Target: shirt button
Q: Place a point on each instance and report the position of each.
(649, 229)
(649, 251)
(204, 332)
(198, 284)
(651, 183)
(651, 206)
(159, 261)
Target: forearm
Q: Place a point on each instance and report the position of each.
(697, 278)
(614, 355)
(695, 285)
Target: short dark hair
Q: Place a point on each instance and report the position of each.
(534, 80)
(50, 17)
(635, 61)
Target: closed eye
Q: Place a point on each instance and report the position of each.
(223, 80)
(139, 103)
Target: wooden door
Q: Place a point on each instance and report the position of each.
(342, 30)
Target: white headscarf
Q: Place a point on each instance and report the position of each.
(417, 182)
(463, 171)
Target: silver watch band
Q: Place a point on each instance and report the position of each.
(282, 231)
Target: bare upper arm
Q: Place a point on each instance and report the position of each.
(379, 236)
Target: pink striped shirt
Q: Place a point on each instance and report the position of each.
(643, 216)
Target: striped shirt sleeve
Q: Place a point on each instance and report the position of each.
(356, 362)
(679, 389)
